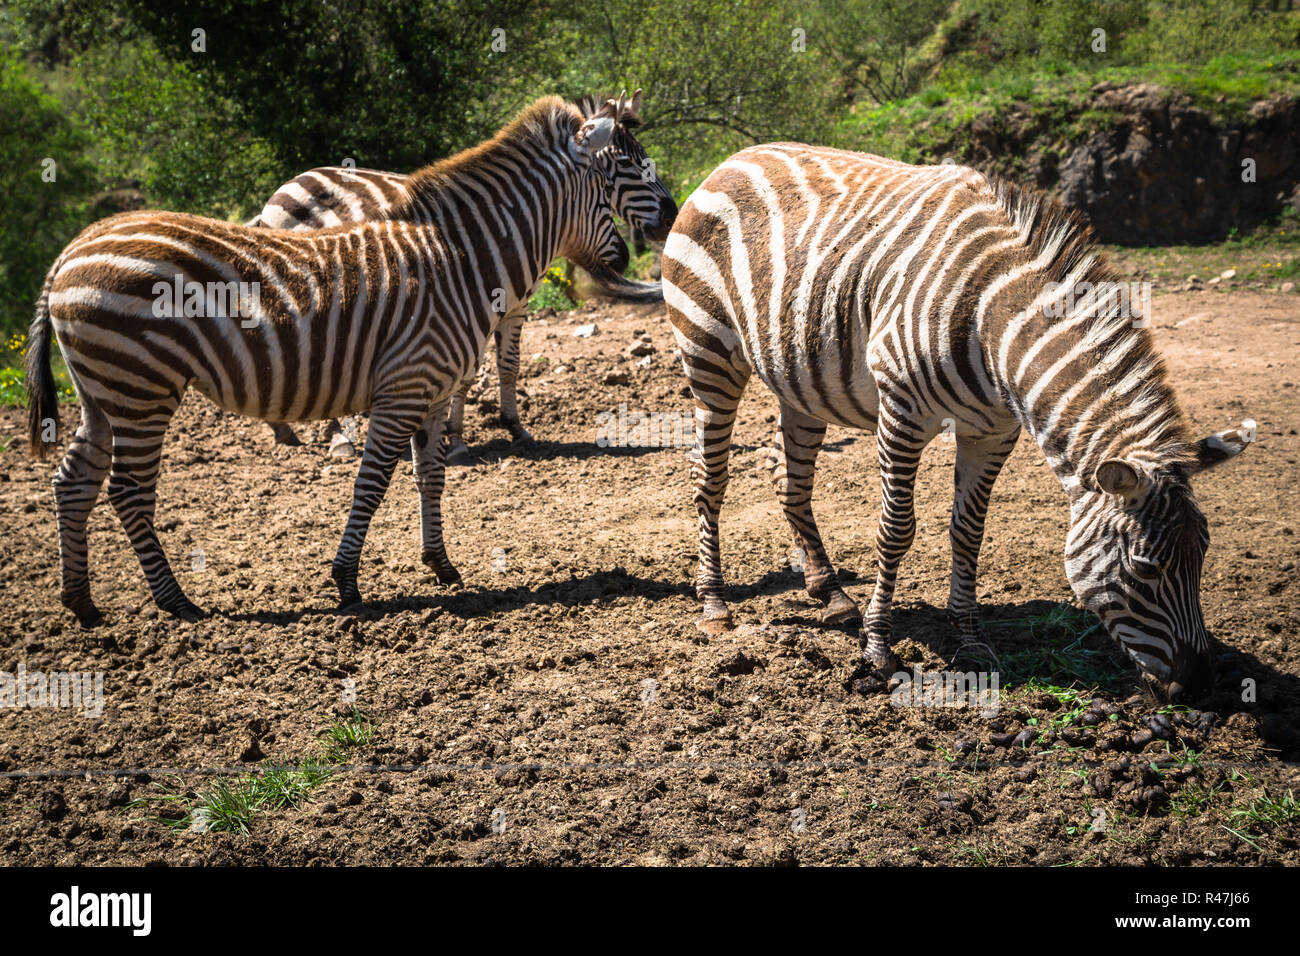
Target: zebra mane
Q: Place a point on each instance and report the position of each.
(1138, 382)
(540, 125)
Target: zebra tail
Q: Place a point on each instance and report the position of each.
(42, 397)
(615, 286)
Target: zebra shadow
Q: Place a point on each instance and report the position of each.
(1055, 643)
(1050, 641)
(499, 449)
(476, 601)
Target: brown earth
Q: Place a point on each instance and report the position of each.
(565, 685)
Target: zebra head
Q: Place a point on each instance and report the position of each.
(1133, 556)
(597, 245)
(638, 194)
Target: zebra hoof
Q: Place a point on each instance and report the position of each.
(88, 616)
(715, 622)
(459, 455)
(284, 435)
(841, 610)
(340, 447)
(519, 435)
(446, 571)
(882, 659)
(349, 594)
(185, 610)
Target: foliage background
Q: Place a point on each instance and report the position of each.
(132, 113)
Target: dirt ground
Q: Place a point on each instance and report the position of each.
(561, 707)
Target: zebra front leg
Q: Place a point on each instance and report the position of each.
(455, 452)
(132, 489)
(76, 488)
(978, 463)
(898, 451)
(391, 426)
(507, 340)
(427, 451)
(793, 474)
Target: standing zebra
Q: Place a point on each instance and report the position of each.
(387, 317)
(910, 300)
(335, 195)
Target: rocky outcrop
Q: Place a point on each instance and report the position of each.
(1163, 171)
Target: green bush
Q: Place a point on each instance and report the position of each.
(45, 188)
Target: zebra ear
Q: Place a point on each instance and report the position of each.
(635, 107)
(1223, 446)
(594, 135)
(1115, 476)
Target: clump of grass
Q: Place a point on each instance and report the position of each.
(231, 803)
(354, 732)
(1268, 810)
(1060, 657)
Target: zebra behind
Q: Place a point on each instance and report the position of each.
(335, 195)
(387, 317)
(909, 300)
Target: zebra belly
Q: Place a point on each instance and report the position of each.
(822, 372)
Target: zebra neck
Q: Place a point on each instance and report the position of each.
(1084, 379)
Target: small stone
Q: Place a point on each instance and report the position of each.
(53, 806)
(585, 331)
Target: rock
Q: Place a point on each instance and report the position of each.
(252, 753)
(585, 331)
(957, 800)
(53, 806)
(617, 378)
(1143, 177)
(1288, 286)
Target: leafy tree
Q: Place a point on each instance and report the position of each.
(45, 188)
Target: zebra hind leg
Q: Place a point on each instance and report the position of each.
(391, 427)
(76, 488)
(793, 471)
(716, 400)
(284, 434)
(898, 449)
(132, 489)
(507, 340)
(978, 465)
(427, 451)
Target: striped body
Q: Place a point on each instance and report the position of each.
(387, 317)
(914, 300)
(335, 195)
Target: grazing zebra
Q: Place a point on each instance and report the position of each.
(387, 317)
(913, 300)
(334, 195)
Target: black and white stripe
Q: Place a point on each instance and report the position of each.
(388, 317)
(919, 300)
